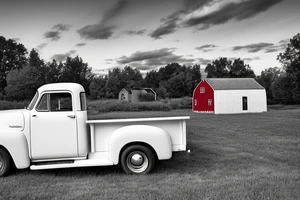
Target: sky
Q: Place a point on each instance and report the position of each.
(148, 34)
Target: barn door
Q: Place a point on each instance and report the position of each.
(245, 103)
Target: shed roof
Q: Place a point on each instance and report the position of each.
(234, 83)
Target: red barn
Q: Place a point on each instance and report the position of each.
(229, 95)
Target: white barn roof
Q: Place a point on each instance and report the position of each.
(234, 83)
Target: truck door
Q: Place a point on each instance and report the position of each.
(53, 127)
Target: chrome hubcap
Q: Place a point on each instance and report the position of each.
(137, 162)
(136, 159)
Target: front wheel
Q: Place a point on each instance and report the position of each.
(137, 159)
(5, 163)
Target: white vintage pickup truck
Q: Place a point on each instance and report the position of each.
(53, 132)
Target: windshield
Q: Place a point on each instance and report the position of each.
(33, 101)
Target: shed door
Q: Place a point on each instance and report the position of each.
(245, 103)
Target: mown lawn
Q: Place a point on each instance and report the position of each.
(244, 156)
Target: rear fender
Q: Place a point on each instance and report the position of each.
(16, 144)
(156, 137)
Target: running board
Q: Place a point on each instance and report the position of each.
(76, 163)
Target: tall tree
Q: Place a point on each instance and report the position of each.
(130, 78)
(169, 70)
(238, 69)
(224, 68)
(173, 80)
(37, 68)
(282, 91)
(192, 79)
(53, 71)
(113, 86)
(218, 68)
(97, 87)
(152, 79)
(23, 83)
(12, 56)
(290, 60)
(75, 70)
(175, 85)
(267, 78)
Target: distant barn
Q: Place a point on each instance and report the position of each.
(132, 95)
(229, 95)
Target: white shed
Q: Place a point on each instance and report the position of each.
(229, 95)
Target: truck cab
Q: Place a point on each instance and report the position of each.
(53, 132)
(58, 116)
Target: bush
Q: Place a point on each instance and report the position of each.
(5, 105)
(95, 107)
(182, 103)
(146, 97)
(102, 106)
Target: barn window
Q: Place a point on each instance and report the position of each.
(209, 102)
(202, 90)
(245, 103)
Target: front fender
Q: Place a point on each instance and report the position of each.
(156, 137)
(16, 144)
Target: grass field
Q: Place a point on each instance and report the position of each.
(244, 156)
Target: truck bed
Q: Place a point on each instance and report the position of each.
(100, 130)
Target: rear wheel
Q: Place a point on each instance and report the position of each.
(137, 159)
(5, 163)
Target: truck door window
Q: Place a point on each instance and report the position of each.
(33, 101)
(43, 104)
(61, 102)
(55, 102)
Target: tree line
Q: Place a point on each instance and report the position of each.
(173, 80)
(283, 84)
(21, 75)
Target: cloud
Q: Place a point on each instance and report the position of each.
(41, 46)
(251, 59)
(103, 29)
(266, 47)
(165, 29)
(207, 47)
(146, 60)
(109, 61)
(63, 57)
(52, 35)
(61, 27)
(55, 33)
(169, 25)
(96, 32)
(114, 11)
(80, 44)
(252, 48)
(281, 46)
(220, 12)
(140, 32)
(206, 13)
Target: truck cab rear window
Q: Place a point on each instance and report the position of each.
(55, 102)
(83, 101)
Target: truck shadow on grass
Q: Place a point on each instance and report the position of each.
(198, 160)
(73, 172)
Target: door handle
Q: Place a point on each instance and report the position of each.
(71, 116)
(33, 115)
